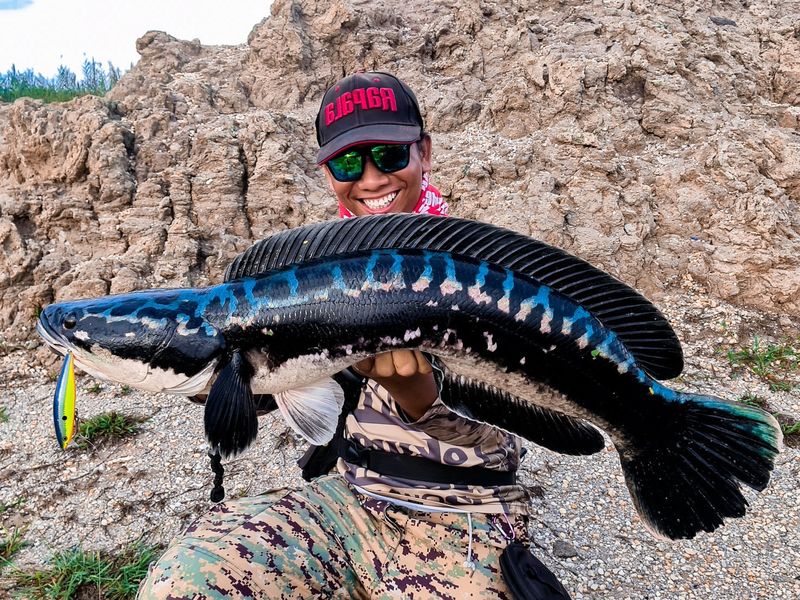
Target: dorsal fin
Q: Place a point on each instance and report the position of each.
(640, 325)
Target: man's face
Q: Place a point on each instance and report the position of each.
(377, 192)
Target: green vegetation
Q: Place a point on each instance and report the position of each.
(3, 415)
(125, 390)
(770, 362)
(64, 86)
(78, 573)
(4, 507)
(95, 388)
(106, 427)
(11, 538)
(790, 428)
(753, 400)
(11, 542)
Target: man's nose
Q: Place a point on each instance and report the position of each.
(373, 177)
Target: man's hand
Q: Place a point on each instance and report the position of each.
(400, 363)
(406, 375)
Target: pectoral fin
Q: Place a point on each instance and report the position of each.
(313, 411)
(231, 422)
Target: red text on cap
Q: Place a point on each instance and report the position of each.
(363, 98)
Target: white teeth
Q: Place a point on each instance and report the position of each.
(380, 203)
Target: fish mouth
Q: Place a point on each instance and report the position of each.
(83, 360)
(45, 330)
(87, 362)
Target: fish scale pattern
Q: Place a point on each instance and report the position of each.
(642, 328)
(448, 303)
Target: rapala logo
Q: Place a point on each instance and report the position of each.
(363, 98)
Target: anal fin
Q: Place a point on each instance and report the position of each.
(482, 402)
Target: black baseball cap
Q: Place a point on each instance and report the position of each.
(366, 108)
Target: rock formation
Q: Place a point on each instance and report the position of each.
(658, 140)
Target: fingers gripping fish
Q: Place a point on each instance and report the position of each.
(539, 354)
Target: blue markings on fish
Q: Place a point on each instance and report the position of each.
(338, 279)
(450, 284)
(425, 278)
(514, 352)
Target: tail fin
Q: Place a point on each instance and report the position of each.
(688, 480)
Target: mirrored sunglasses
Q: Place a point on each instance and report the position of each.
(388, 158)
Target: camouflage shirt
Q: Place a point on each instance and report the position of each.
(440, 435)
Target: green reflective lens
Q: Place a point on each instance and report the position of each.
(388, 158)
(348, 166)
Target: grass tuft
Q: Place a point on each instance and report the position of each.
(791, 429)
(753, 400)
(9, 506)
(11, 542)
(77, 573)
(3, 415)
(95, 388)
(770, 362)
(107, 427)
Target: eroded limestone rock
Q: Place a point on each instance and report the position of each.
(648, 138)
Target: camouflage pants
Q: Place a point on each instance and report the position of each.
(327, 541)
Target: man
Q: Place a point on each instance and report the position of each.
(370, 532)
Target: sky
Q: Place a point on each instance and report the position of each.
(42, 34)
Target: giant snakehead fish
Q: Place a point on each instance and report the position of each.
(524, 336)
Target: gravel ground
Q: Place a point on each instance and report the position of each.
(584, 525)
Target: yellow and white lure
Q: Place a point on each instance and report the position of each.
(64, 415)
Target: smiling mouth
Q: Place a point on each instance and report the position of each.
(379, 203)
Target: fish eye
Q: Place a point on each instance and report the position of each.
(70, 321)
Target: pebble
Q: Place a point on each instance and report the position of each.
(564, 549)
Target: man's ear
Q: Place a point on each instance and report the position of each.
(424, 149)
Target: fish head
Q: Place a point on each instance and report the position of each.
(150, 340)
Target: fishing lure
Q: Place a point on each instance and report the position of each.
(64, 414)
